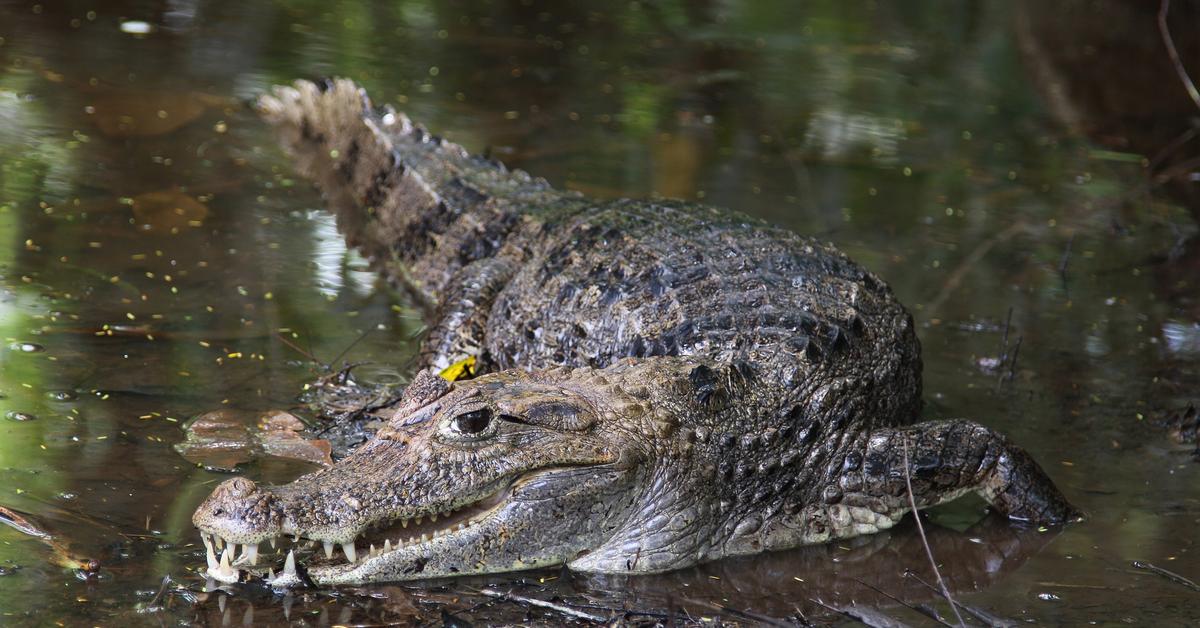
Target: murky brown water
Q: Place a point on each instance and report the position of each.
(155, 247)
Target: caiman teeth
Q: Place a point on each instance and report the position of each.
(249, 554)
(430, 525)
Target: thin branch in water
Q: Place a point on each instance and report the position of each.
(297, 348)
(912, 502)
(1012, 366)
(927, 611)
(558, 608)
(765, 620)
(960, 273)
(1063, 264)
(987, 618)
(1169, 575)
(867, 616)
(351, 346)
(1174, 54)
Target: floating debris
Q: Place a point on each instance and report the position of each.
(168, 210)
(27, 347)
(13, 415)
(137, 27)
(223, 440)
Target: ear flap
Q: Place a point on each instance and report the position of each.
(563, 415)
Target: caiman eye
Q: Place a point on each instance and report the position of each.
(473, 422)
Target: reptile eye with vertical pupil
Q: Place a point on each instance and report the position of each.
(473, 422)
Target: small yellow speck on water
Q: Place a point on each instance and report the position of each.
(42, 446)
(268, 296)
(130, 315)
(907, 171)
(205, 344)
(20, 491)
(1068, 463)
(333, 154)
(220, 126)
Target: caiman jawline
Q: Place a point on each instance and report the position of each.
(374, 542)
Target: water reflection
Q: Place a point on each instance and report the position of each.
(156, 244)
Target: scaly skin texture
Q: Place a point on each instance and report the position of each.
(667, 383)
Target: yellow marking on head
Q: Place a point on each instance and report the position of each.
(462, 369)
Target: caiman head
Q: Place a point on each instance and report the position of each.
(508, 471)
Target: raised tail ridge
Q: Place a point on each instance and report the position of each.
(401, 193)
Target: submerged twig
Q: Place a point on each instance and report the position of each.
(867, 616)
(1063, 263)
(766, 620)
(1163, 30)
(928, 611)
(297, 348)
(59, 551)
(1012, 365)
(960, 273)
(912, 501)
(1169, 575)
(978, 613)
(558, 608)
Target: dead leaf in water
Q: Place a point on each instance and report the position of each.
(168, 209)
(135, 113)
(222, 440)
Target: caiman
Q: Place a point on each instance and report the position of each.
(662, 383)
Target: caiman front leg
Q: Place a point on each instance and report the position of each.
(459, 326)
(868, 489)
(946, 459)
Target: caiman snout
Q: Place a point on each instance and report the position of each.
(238, 512)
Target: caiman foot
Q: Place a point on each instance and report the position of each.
(942, 460)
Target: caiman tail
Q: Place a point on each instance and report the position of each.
(419, 207)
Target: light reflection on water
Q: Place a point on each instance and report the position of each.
(918, 139)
